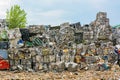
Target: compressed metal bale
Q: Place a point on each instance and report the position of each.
(32, 52)
(23, 61)
(52, 58)
(64, 25)
(20, 67)
(14, 33)
(11, 34)
(72, 58)
(4, 60)
(3, 35)
(38, 58)
(13, 42)
(91, 59)
(20, 43)
(76, 25)
(71, 66)
(28, 63)
(17, 33)
(21, 55)
(82, 65)
(16, 57)
(52, 66)
(45, 51)
(11, 53)
(11, 56)
(39, 66)
(3, 54)
(12, 62)
(16, 62)
(25, 34)
(37, 28)
(77, 59)
(67, 58)
(46, 59)
(58, 58)
(60, 66)
(29, 44)
(37, 42)
(93, 67)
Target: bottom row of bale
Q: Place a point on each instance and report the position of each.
(28, 59)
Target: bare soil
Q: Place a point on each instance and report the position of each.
(79, 75)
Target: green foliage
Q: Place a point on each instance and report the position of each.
(16, 18)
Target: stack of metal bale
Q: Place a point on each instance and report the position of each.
(101, 27)
(58, 48)
(4, 45)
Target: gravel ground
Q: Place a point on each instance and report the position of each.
(79, 75)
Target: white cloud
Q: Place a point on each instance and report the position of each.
(52, 13)
(58, 2)
(4, 5)
(98, 4)
(46, 17)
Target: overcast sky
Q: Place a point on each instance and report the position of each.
(58, 11)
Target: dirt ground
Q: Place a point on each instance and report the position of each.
(79, 75)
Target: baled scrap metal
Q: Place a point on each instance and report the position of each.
(90, 59)
(38, 58)
(60, 66)
(71, 66)
(4, 45)
(20, 43)
(52, 58)
(11, 34)
(76, 25)
(93, 67)
(45, 51)
(4, 63)
(28, 44)
(25, 34)
(59, 56)
(37, 29)
(63, 25)
(101, 27)
(12, 53)
(45, 55)
(72, 55)
(67, 57)
(78, 37)
(65, 51)
(28, 63)
(46, 59)
(38, 66)
(13, 43)
(77, 59)
(37, 42)
(3, 35)
(17, 33)
(13, 58)
(32, 52)
(21, 54)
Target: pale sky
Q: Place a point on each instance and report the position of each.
(55, 12)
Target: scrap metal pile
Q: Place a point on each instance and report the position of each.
(69, 47)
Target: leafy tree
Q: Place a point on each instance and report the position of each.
(16, 17)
